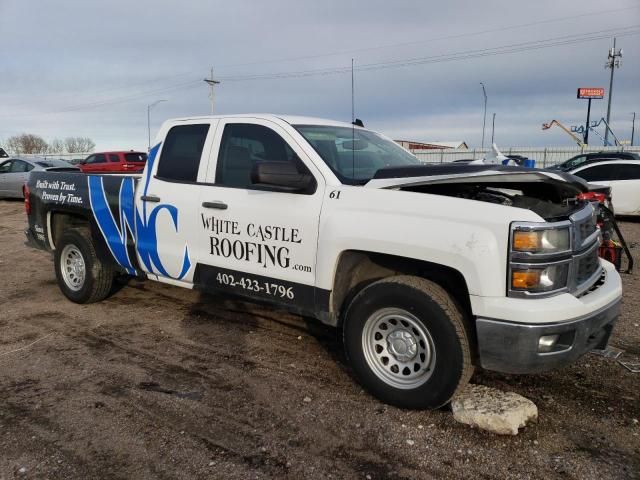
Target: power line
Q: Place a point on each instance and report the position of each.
(367, 49)
(462, 55)
(448, 57)
(429, 40)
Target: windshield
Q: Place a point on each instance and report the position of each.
(355, 155)
(573, 162)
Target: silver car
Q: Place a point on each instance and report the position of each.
(14, 172)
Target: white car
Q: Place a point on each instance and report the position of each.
(623, 176)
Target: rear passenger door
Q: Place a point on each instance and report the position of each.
(262, 240)
(114, 164)
(168, 196)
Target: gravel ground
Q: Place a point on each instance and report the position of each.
(161, 382)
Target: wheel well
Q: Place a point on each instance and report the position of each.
(357, 269)
(61, 221)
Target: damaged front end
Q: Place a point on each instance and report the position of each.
(552, 195)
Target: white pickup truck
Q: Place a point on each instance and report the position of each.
(428, 271)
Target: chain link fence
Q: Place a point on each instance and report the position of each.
(544, 156)
(73, 158)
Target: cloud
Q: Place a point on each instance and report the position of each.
(86, 68)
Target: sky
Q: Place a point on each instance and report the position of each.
(89, 68)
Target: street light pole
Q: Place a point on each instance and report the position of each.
(493, 126)
(149, 107)
(633, 127)
(484, 121)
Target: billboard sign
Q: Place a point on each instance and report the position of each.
(591, 92)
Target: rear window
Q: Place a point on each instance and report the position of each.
(135, 157)
(180, 157)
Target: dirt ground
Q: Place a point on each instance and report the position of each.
(162, 382)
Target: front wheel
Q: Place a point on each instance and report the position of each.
(407, 342)
(81, 275)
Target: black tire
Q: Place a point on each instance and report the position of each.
(441, 319)
(98, 274)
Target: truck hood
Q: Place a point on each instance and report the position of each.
(565, 184)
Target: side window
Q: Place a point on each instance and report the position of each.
(5, 167)
(18, 166)
(113, 157)
(181, 152)
(595, 173)
(625, 171)
(242, 146)
(97, 158)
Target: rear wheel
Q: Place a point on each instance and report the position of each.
(407, 342)
(81, 275)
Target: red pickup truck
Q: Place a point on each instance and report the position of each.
(106, 162)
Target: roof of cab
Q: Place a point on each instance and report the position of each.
(290, 119)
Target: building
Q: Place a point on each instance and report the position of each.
(412, 145)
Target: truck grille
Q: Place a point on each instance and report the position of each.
(586, 229)
(586, 266)
(584, 226)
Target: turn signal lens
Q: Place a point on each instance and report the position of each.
(524, 280)
(541, 241)
(526, 241)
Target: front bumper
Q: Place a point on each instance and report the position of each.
(511, 345)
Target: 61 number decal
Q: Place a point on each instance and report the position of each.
(335, 194)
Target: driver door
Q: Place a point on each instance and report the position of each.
(262, 240)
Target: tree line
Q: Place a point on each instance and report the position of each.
(30, 143)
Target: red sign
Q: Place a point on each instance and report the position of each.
(591, 92)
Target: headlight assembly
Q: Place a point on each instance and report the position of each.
(541, 241)
(539, 258)
(539, 278)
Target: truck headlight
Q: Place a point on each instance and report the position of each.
(539, 278)
(541, 241)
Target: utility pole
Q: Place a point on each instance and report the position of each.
(613, 62)
(484, 121)
(493, 127)
(149, 107)
(212, 83)
(633, 127)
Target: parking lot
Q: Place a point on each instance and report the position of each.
(162, 382)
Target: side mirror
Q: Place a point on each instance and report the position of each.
(282, 175)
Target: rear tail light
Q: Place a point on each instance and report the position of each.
(27, 199)
(592, 197)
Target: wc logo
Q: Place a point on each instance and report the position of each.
(141, 228)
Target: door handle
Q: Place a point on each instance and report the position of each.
(216, 204)
(150, 198)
